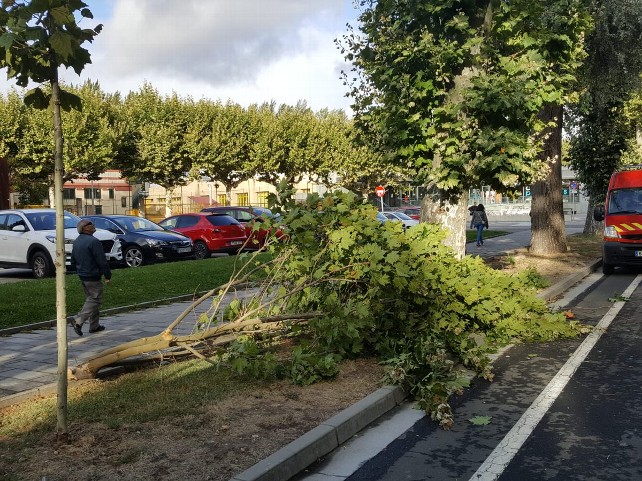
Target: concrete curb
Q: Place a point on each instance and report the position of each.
(562, 286)
(305, 450)
(107, 312)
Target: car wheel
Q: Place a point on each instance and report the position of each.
(133, 257)
(41, 265)
(607, 269)
(201, 251)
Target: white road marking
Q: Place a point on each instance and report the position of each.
(497, 461)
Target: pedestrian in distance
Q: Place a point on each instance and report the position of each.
(479, 221)
(89, 260)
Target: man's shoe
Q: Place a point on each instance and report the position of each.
(98, 329)
(77, 328)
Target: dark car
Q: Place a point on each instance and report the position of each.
(143, 241)
(210, 233)
(247, 216)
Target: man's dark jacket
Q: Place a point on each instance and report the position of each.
(88, 258)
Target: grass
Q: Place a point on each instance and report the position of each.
(471, 235)
(157, 393)
(33, 301)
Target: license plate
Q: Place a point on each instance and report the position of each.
(182, 250)
(638, 253)
(236, 243)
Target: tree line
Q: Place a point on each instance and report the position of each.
(170, 140)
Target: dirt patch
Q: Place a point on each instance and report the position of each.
(213, 443)
(223, 439)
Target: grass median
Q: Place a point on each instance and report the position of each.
(32, 301)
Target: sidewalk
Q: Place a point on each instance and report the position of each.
(28, 359)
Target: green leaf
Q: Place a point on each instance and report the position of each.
(62, 43)
(480, 420)
(69, 100)
(37, 99)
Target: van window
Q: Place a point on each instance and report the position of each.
(625, 201)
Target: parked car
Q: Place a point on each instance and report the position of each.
(400, 217)
(209, 232)
(143, 241)
(412, 212)
(247, 216)
(28, 240)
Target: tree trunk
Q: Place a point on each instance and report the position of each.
(61, 306)
(548, 231)
(591, 226)
(168, 202)
(451, 216)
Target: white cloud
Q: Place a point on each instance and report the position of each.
(244, 50)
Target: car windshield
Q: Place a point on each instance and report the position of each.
(625, 201)
(402, 216)
(221, 220)
(137, 224)
(47, 220)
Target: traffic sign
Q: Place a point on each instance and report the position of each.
(380, 191)
(573, 185)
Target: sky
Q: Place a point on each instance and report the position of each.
(245, 51)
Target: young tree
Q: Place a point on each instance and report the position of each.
(36, 38)
(454, 91)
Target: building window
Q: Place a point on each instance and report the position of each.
(69, 194)
(123, 201)
(222, 199)
(242, 199)
(89, 195)
(262, 199)
(111, 194)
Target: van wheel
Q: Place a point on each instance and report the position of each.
(41, 265)
(607, 269)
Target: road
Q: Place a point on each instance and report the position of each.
(565, 410)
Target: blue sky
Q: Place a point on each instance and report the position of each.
(246, 51)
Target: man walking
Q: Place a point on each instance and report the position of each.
(88, 258)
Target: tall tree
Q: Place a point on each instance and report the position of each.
(599, 128)
(154, 148)
(220, 140)
(36, 38)
(453, 91)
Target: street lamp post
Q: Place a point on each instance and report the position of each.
(216, 192)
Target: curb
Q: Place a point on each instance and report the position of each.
(107, 312)
(305, 450)
(562, 286)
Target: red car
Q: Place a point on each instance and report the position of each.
(209, 232)
(412, 212)
(247, 216)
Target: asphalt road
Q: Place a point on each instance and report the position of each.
(565, 410)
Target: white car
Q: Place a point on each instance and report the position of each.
(28, 240)
(406, 220)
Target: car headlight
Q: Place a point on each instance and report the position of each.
(609, 231)
(155, 242)
(52, 239)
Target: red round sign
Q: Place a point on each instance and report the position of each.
(380, 191)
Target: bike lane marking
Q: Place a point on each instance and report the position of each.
(493, 467)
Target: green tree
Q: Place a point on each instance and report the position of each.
(220, 140)
(602, 126)
(153, 147)
(453, 91)
(288, 145)
(36, 38)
